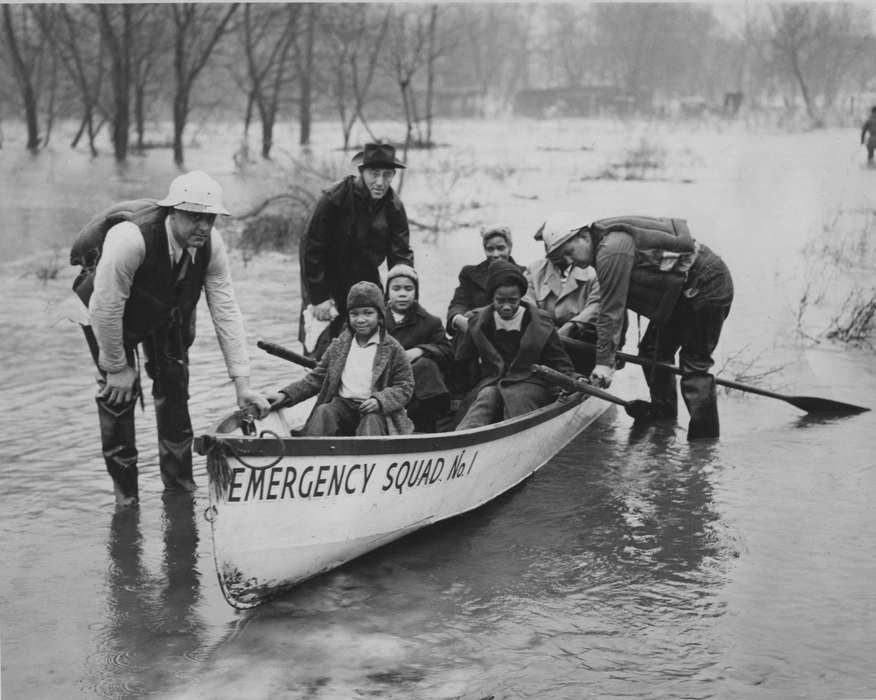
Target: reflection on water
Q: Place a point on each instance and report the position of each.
(634, 564)
(154, 628)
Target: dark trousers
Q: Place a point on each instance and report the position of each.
(693, 333)
(170, 393)
(341, 416)
(491, 405)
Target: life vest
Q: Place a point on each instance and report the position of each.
(665, 251)
(158, 305)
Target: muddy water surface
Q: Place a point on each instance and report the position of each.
(633, 565)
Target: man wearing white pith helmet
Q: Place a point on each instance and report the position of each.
(654, 267)
(147, 283)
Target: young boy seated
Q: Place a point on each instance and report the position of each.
(363, 379)
(508, 337)
(427, 347)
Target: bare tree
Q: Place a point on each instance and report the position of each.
(117, 32)
(356, 39)
(644, 47)
(793, 35)
(304, 54)
(407, 54)
(147, 60)
(69, 31)
(197, 30)
(25, 46)
(268, 35)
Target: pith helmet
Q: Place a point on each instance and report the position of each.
(559, 228)
(195, 191)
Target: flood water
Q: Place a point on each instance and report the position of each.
(634, 564)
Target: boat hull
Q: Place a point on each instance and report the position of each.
(283, 510)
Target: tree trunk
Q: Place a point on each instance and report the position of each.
(305, 116)
(140, 114)
(180, 115)
(430, 73)
(25, 85)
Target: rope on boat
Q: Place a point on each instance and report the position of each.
(217, 465)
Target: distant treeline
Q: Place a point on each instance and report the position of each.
(117, 68)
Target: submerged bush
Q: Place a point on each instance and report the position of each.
(838, 298)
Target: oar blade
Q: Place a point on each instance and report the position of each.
(638, 409)
(814, 404)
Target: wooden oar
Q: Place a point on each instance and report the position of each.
(635, 409)
(810, 404)
(286, 354)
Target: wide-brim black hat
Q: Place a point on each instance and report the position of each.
(380, 154)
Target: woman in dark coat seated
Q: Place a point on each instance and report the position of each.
(427, 348)
(470, 295)
(507, 338)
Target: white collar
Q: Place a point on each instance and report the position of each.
(512, 324)
(173, 245)
(373, 339)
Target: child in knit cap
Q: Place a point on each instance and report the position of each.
(363, 381)
(507, 337)
(426, 345)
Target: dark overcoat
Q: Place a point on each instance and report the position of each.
(348, 236)
(420, 329)
(392, 381)
(471, 292)
(539, 344)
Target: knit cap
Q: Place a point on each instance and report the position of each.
(402, 270)
(366, 294)
(500, 273)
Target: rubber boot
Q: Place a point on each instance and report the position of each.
(700, 397)
(118, 442)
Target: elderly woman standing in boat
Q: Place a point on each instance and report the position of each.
(507, 337)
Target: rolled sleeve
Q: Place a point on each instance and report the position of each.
(614, 266)
(122, 255)
(224, 310)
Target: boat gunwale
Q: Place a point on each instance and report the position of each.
(272, 445)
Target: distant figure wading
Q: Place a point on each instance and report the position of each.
(868, 135)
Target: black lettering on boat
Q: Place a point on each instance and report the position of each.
(399, 479)
(337, 479)
(439, 468)
(256, 485)
(424, 477)
(234, 485)
(416, 469)
(321, 480)
(347, 482)
(471, 464)
(272, 482)
(289, 483)
(301, 491)
(368, 473)
(390, 470)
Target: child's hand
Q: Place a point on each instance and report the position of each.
(414, 354)
(369, 405)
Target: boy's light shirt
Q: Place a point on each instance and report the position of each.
(359, 368)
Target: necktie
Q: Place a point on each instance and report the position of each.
(181, 267)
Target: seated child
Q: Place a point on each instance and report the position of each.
(427, 347)
(508, 337)
(363, 379)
